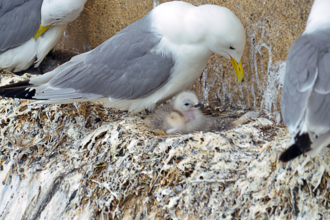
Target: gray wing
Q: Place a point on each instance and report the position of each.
(307, 83)
(123, 67)
(299, 79)
(318, 112)
(19, 21)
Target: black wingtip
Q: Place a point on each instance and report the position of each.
(21, 84)
(292, 152)
(18, 90)
(302, 145)
(22, 93)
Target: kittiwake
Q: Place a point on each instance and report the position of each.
(144, 64)
(29, 29)
(305, 100)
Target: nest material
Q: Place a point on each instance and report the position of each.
(89, 162)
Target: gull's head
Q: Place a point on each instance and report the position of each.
(185, 101)
(224, 34)
(58, 12)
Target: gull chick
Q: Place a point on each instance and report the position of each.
(144, 64)
(167, 119)
(181, 116)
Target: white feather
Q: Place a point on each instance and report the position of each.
(19, 58)
(57, 13)
(318, 144)
(48, 41)
(319, 17)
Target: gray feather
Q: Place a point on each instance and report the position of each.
(19, 21)
(307, 83)
(322, 84)
(300, 76)
(65, 94)
(318, 112)
(122, 67)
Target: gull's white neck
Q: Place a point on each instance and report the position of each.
(319, 17)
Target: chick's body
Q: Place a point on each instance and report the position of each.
(179, 116)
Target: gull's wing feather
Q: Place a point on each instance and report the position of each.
(306, 94)
(318, 111)
(300, 76)
(19, 21)
(123, 67)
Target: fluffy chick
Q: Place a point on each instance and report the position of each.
(182, 115)
(167, 119)
(187, 104)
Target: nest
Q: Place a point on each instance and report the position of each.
(90, 162)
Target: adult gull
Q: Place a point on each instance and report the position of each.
(31, 28)
(144, 64)
(305, 100)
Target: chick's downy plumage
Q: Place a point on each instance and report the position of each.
(182, 115)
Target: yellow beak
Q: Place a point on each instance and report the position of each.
(41, 31)
(238, 69)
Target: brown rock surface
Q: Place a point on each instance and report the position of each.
(271, 27)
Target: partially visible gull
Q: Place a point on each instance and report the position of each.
(29, 29)
(146, 63)
(182, 115)
(306, 91)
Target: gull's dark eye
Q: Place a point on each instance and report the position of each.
(231, 48)
(186, 104)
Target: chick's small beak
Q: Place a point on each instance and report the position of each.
(238, 68)
(199, 105)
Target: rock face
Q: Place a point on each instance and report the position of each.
(84, 161)
(271, 27)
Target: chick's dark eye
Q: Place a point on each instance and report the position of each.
(231, 48)
(186, 104)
